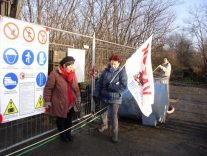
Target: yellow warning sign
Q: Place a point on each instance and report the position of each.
(40, 103)
(11, 108)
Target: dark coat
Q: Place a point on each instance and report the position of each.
(111, 92)
(56, 92)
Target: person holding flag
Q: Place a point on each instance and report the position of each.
(136, 75)
(165, 68)
(165, 73)
(109, 89)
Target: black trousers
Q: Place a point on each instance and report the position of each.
(65, 123)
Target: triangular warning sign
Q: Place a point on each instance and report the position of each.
(11, 108)
(40, 103)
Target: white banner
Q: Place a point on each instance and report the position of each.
(23, 68)
(79, 56)
(140, 77)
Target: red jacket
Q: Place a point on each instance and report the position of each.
(55, 91)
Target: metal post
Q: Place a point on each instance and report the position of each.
(93, 74)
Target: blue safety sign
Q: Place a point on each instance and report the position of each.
(41, 58)
(10, 81)
(41, 79)
(10, 56)
(28, 57)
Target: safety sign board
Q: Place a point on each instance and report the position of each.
(10, 81)
(11, 108)
(41, 58)
(41, 79)
(28, 57)
(11, 30)
(40, 103)
(42, 36)
(10, 56)
(28, 34)
(24, 68)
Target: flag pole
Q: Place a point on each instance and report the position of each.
(93, 68)
(155, 69)
(117, 73)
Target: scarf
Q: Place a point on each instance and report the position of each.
(69, 78)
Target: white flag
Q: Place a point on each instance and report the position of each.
(140, 77)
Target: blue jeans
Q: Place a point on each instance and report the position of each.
(112, 113)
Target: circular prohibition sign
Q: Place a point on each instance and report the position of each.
(42, 37)
(28, 34)
(11, 30)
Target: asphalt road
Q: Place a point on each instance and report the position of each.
(183, 134)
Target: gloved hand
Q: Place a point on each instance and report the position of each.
(47, 106)
(107, 85)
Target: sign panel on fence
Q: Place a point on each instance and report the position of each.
(23, 68)
(79, 56)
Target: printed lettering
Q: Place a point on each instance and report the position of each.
(145, 50)
(145, 81)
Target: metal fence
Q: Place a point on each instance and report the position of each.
(15, 133)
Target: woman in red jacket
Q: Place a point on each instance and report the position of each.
(62, 96)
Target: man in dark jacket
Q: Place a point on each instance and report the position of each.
(109, 89)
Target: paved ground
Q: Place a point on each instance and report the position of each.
(183, 134)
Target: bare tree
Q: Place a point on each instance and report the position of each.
(197, 26)
(128, 22)
(39, 11)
